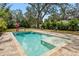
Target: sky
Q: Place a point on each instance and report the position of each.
(20, 6)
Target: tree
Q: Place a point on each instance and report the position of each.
(5, 11)
(5, 15)
(63, 7)
(76, 10)
(18, 16)
(39, 10)
(60, 11)
(54, 14)
(29, 15)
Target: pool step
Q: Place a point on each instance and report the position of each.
(49, 46)
(55, 42)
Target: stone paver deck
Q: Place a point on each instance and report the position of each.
(70, 49)
(9, 47)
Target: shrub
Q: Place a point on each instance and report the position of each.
(73, 24)
(53, 25)
(43, 26)
(46, 25)
(63, 25)
(3, 25)
(11, 24)
(59, 25)
(24, 23)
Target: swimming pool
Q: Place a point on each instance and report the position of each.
(32, 43)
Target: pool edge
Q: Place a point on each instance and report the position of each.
(48, 53)
(19, 49)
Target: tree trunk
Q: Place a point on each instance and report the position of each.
(37, 23)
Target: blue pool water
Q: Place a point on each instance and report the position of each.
(32, 43)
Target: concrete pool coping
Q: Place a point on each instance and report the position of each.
(48, 53)
(19, 48)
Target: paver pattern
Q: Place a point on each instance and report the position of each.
(9, 48)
